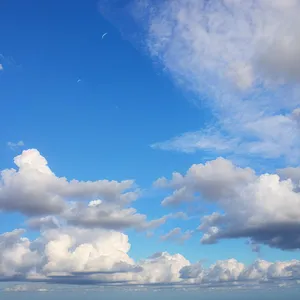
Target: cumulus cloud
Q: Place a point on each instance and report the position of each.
(17, 259)
(161, 268)
(51, 201)
(34, 189)
(214, 179)
(85, 256)
(62, 252)
(74, 254)
(239, 57)
(264, 208)
(78, 250)
(233, 271)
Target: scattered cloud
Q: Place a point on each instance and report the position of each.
(15, 146)
(1, 67)
(177, 235)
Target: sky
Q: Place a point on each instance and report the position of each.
(149, 144)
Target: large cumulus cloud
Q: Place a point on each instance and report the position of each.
(34, 189)
(262, 207)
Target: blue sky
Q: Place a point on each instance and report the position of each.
(162, 95)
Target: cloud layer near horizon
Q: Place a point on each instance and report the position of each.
(81, 256)
(82, 240)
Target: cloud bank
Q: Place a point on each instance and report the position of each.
(84, 256)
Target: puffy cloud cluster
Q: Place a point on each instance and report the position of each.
(161, 268)
(62, 252)
(81, 240)
(77, 255)
(264, 208)
(78, 250)
(81, 256)
(16, 259)
(35, 191)
(231, 271)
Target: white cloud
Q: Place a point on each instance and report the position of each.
(51, 201)
(263, 207)
(100, 214)
(34, 189)
(1, 67)
(233, 271)
(161, 268)
(78, 250)
(104, 215)
(17, 259)
(73, 255)
(215, 179)
(240, 57)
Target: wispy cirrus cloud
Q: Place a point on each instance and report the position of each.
(239, 57)
(15, 146)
